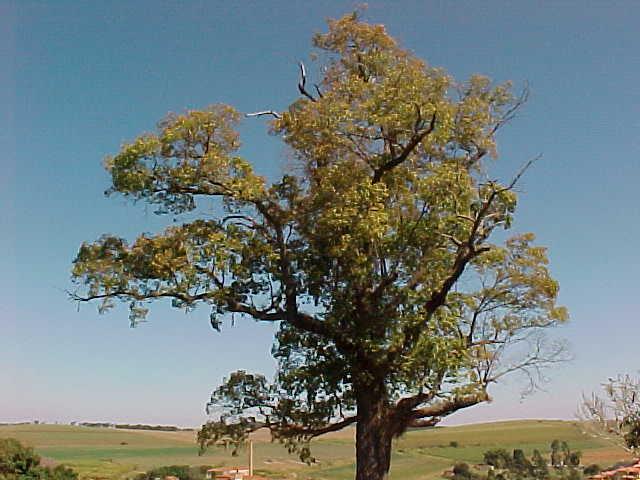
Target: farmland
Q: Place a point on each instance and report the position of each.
(118, 454)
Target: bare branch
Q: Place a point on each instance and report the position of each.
(511, 112)
(264, 112)
(614, 417)
(522, 170)
(303, 82)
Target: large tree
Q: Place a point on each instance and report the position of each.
(377, 255)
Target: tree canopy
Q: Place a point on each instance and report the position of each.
(377, 254)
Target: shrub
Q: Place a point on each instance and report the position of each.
(574, 458)
(462, 471)
(592, 469)
(18, 462)
(574, 474)
(60, 472)
(520, 463)
(498, 458)
(540, 469)
(183, 472)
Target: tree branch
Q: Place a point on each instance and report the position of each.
(310, 432)
(303, 82)
(511, 112)
(263, 112)
(406, 151)
(183, 297)
(424, 422)
(451, 405)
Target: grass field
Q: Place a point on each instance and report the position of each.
(117, 454)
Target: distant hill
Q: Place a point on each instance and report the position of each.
(111, 453)
(137, 426)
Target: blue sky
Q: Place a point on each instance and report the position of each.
(80, 78)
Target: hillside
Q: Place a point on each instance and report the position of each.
(107, 454)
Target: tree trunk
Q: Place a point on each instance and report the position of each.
(373, 436)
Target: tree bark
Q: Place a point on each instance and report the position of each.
(373, 436)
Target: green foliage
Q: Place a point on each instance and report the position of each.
(572, 474)
(378, 255)
(183, 472)
(566, 452)
(18, 462)
(574, 459)
(462, 471)
(540, 468)
(521, 464)
(556, 457)
(498, 458)
(59, 472)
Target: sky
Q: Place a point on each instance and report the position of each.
(77, 79)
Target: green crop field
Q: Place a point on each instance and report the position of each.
(118, 454)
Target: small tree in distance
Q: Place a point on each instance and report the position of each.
(377, 256)
(616, 416)
(521, 464)
(498, 458)
(556, 456)
(540, 468)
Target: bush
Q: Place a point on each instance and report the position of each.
(16, 459)
(183, 472)
(574, 458)
(574, 474)
(592, 469)
(180, 471)
(540, 469)
(521, 464)
(60, 472)
(18, 462)
(462, 471)
(454, 444)
(498, 458)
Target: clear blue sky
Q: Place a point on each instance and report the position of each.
(79, 78)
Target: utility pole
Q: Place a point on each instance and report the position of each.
(251, 458)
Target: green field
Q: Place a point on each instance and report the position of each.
(117, 454)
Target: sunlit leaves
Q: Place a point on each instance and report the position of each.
(192, 154)
(204, 261)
